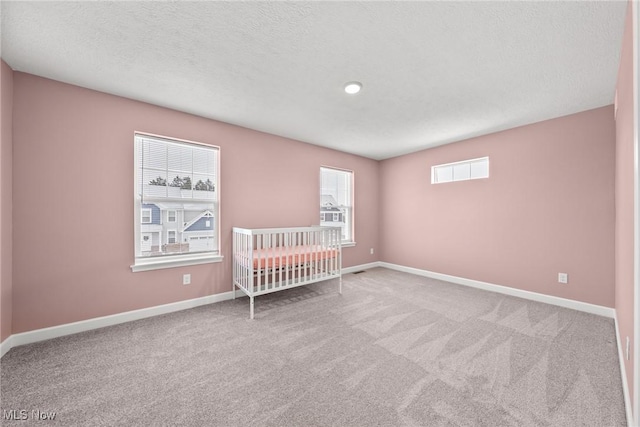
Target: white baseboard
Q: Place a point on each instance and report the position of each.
(534, 296)
(115, 319)
(100, 322)
(6, 345)
(623, 373)
(548, 299)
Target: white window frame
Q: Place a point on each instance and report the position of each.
(452, 167)
(143, 263)
(142, 215)
(175, 237)
(348, 209)
(175, 215)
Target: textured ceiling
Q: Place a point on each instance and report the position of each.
(433, 72)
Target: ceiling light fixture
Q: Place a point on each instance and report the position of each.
(352, 87)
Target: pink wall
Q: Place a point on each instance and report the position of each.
(547, 207)
(6, 158)
(624, 230)
(73, 213)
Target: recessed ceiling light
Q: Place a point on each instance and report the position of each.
(352, 87)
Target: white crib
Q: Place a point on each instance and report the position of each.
(268, 260)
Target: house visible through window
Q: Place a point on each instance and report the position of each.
(177, 181)
(336, 200)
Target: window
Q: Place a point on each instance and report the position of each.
(145, 216)
(175, 178)
(460, 171)
(336, 200)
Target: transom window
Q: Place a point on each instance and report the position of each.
(460, 171)
(175, 179)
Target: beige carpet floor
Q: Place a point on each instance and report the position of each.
(393, 350)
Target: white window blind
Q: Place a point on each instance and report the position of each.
(336, 200)
(460, 171)
(175, 179)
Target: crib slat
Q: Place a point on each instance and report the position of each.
(287, 249)
(333, 247)
(274, 246)
(315, 254)
(281, 263)
(325, 255)
(290, 258)
(305, 256)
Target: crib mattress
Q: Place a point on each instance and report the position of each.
(290, 256)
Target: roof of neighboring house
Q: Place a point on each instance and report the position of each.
(330, 209)
(326, 200)
(199, 223)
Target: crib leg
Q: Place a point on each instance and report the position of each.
(251, 307)
(233, 289)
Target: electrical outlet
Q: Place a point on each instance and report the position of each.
(371, 251)
(186, 279)
(563, 278)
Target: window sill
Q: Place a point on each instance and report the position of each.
(172, 262)
(348, 244)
